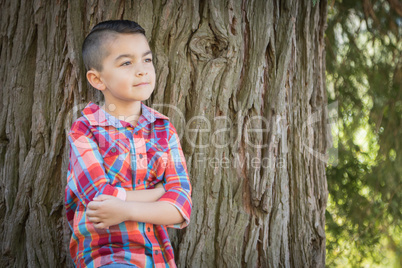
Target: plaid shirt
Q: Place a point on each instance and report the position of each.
(110, 156)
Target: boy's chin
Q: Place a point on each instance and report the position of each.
(146, 96)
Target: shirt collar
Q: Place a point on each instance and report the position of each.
(99, 117)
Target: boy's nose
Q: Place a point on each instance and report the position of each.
(140, 70)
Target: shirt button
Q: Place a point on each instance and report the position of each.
(141, 156)
(149, 229)
(156, 252)
(136, 133)
(113, 150)
(138, 181)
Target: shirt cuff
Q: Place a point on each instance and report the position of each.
(121, 193)
(182, 202)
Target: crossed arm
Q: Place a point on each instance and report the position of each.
(87, 183)
(140, 205)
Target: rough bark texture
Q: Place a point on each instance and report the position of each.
(229, 61)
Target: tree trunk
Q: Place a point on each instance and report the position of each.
(241, 81)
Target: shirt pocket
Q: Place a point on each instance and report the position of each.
(157, 156)
(117, 162)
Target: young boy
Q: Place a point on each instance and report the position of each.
(127, 178)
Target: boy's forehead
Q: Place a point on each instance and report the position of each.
(134, 44)
(118, 45)
(128, 55)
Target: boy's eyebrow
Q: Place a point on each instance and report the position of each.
(132, 56)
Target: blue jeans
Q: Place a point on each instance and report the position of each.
(117, 265)
(122, 265)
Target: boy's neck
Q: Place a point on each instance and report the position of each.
(129, 112)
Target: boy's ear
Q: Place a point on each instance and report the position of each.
(94, 79)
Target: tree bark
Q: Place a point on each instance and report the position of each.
(225, 70)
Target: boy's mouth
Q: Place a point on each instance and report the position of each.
(141, 84)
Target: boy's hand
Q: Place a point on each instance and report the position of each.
(106, 210)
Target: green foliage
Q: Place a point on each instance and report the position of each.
(364, 74)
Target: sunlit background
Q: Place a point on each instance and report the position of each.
(364, 77)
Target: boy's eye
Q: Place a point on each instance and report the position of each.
(148, 60)
(126, 63)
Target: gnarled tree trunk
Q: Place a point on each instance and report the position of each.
(240, 80)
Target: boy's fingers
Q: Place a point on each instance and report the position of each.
(94, 219)
(103, 197)
(91, 213)
(99, 197)
(100, 225)
(92, 205)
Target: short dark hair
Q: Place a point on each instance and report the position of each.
(93, 51)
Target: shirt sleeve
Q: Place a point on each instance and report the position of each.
(86, 175)
(176, 180)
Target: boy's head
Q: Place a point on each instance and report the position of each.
(119, 63)
(94, 48)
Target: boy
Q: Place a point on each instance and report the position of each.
(127, 178)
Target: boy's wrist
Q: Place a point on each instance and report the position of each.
(132, 208)
(128, 211)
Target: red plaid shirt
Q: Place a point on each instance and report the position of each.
(110, 156)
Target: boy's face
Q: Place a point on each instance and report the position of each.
(128, 72)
